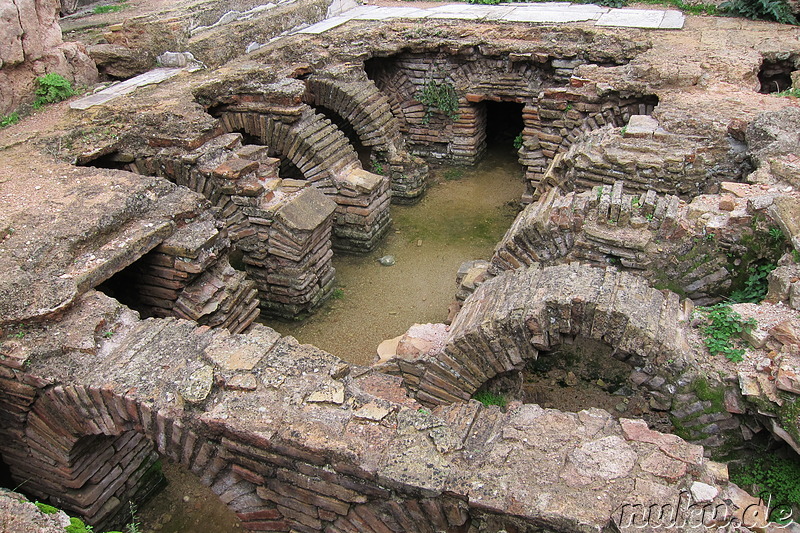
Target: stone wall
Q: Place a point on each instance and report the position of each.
(31, 47)
(559, 108)
(697, 249)
(291, 438)
(283, 227)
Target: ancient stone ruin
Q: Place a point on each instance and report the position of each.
(144, 231)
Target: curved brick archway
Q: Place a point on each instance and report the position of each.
(511, 318)
(326, 159)
(368, 112)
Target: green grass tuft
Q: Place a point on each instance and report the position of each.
(489, 398)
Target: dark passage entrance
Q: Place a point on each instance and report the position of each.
(775, 76)
(503, 124)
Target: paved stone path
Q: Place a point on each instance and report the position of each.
(549, 12)
(156, 75)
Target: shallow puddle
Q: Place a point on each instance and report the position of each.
(461, 217)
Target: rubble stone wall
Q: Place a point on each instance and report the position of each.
(511, 318)
(696, 249)
(292, 438)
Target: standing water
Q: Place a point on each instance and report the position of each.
(460, 218)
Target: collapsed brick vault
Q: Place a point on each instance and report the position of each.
(293, 438)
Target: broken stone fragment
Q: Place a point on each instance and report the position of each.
(371, 411)
(702, 492)
(788, 378)
(197, 386)
(328, 393)
(606, 458)
(242, 382)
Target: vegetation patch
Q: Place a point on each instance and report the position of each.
(723, 331)
(790, 92)
(439, 96)
(52, 88)
(774, 10)
(8, 120)
(109, 8)
(489, 398)
(775, 479)
(758, 255)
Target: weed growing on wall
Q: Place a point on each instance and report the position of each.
(489, 398)
(723, 329)
(439, 96)
(52, 88)
(755, 286)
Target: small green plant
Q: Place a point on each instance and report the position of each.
(518, 141)
(133, 526)
(776, 234)
(337, 294)
(569, 107)
(377, 167)
(636, 202)
(775, 10)
(796, 256)
(623, 130)
(723, 329)
(776, 479)
(9, 119)
(489, 398)
(108, 334)
(790, 92)
(441, 96)
(423, 411)
(52, 88)
(649, 217)
(109, 8)
(600, 190)
(755, 286)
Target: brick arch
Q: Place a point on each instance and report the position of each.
(369, 113)
(326, 159)
(512, 317)
(92, 450)
(362, 106)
